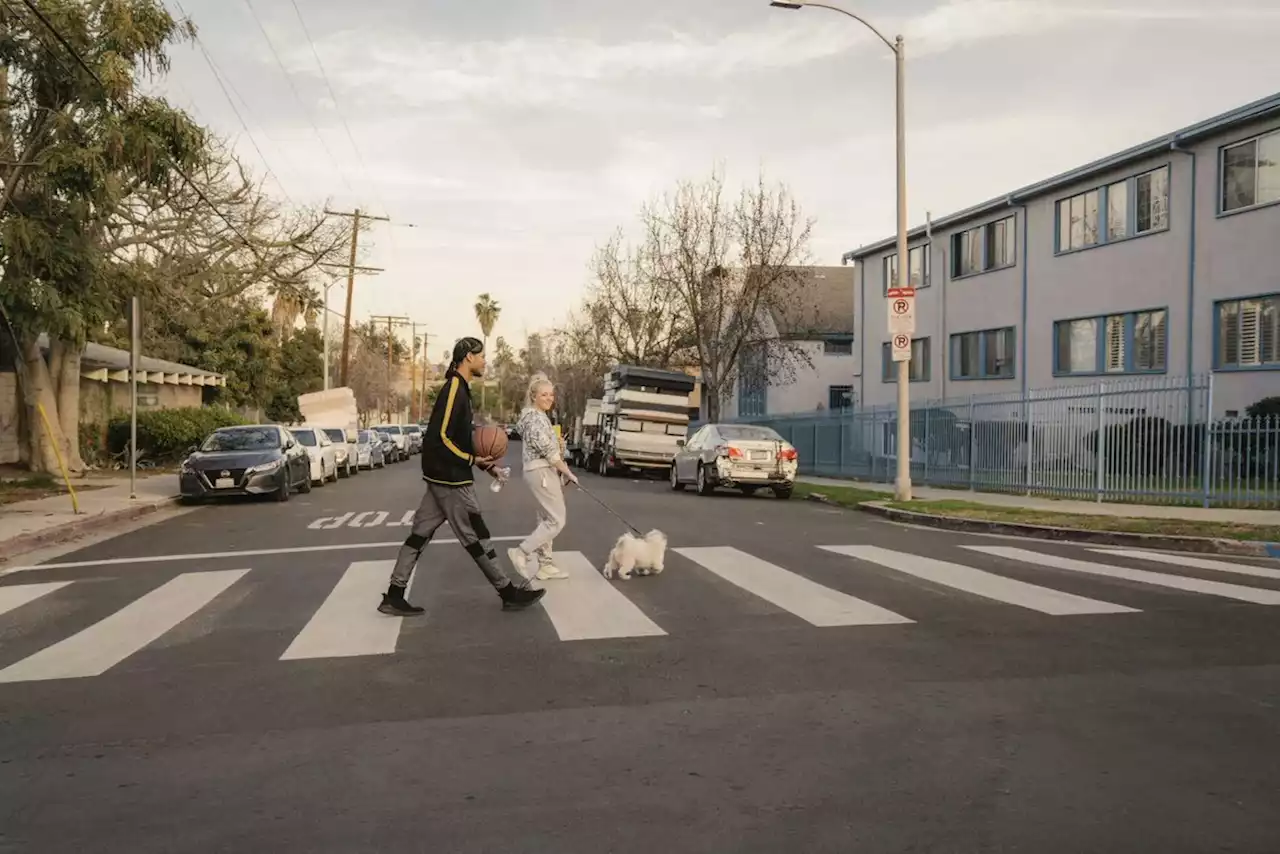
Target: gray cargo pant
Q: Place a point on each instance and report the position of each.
(458, 506)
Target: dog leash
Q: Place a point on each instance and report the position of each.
(615, 514)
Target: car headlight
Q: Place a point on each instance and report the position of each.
(265, 468)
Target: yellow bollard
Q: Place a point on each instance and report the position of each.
(48, 430)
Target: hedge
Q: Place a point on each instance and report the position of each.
(166, 434)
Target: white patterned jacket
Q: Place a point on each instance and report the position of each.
(541, 446)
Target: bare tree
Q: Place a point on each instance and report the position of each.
(735, 269)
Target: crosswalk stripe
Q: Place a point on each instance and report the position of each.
(348, 622)
(108, 642)
(808, 600)
(20, 594)
(980, 583)
(1194, 562)
(586, 606)
(1177, 582)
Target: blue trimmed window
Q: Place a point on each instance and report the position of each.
(839, 397)
(1132, 343)
(919, 371)
(988, 354)
(920, 262)
(1133, 207)
(1251, 173)
(1247, 333)
(983, 248)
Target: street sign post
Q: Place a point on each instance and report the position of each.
(901, 303)
(901, 347)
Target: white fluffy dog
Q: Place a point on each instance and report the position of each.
(631, 553)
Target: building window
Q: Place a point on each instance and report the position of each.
(988, 354)
(1128, 208)
(987, 247)
(1135, 342)
(919, 365)
(921, 267)
(837, 347)
(1251, 172)
(839, 397)
(1249, 333)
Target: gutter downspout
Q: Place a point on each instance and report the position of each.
(1024, 371)
(862, 333)
(1174, 145)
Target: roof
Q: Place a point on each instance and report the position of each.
(1255, 111)
(100, 357)
(827, 307)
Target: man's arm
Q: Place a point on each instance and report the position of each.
(447, 422)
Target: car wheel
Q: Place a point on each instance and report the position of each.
(705, 487)
(282, 494)
(676, 485)
(305, 486)
(335, 473)
(783, 493)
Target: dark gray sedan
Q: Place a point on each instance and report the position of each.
(260, 459)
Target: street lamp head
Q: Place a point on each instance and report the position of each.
(782, 5)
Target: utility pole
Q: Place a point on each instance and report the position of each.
(391, 321)
(325, 333)
(356, 216)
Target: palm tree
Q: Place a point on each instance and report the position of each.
(487, 311)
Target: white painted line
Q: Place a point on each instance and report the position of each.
(1195, 562)
(985, 584)
(348, 623)
(19, 595)
(586, 606)
(124, 561)
(1159, 579)
(105, 644)
(811, 602)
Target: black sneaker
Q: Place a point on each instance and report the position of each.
(516, 598)
(394, 603)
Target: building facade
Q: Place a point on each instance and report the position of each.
(1163, 259)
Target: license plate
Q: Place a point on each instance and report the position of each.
(224, 483)
(759, 455)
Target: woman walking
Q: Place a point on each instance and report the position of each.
(545, 471)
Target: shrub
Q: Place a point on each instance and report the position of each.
(166, 434)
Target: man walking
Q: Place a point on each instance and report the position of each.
(447, 460)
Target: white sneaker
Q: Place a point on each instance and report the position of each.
(520, 561)
(550, 571)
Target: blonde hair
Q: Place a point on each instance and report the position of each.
(536, 382)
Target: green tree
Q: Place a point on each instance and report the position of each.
(75, 142)
(487, 312)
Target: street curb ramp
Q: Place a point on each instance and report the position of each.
(78, 527)
(1199, 545)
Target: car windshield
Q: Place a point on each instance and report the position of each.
(305, 437)
(336, 435)
(366, 438)
(748, 434)
(243, 439)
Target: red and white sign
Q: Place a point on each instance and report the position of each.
(894, 293)
(901, 348)
(902, 312)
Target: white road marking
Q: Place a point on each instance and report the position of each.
(337, 547)
(348, 623)
(406, 521)
(1159, 579)
(1195, 562)
(19, 595)
(105, 644)
(811, 602)
(586, 606)
(360, 521)
(980, 583)
(328, 523)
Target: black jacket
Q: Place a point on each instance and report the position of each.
(447, 452)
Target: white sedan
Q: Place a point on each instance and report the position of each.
(320, 450)
(735, 456)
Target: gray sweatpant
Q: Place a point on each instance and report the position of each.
(544, 483)
(458, 506)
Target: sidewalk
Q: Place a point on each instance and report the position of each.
(1054, 505)
(28, 525)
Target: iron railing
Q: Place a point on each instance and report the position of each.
(1148, 440)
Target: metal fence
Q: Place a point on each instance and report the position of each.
(1145, 440)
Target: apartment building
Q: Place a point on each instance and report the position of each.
(1163, 259)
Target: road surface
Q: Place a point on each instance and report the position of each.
(800, 679)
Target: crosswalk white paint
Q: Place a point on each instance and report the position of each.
(348, 623)
(981, 583)
(1195, 562)
(105, 644)
(808, 600)
(1254, 595)
(20, 594)
(586, 606)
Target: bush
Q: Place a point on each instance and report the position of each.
(166, 434)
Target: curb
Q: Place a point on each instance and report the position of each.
(78, 527)
(1200, 545)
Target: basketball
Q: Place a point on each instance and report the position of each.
(489, 441)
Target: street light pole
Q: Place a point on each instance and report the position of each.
(902, 485)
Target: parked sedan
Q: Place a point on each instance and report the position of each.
(369, 451)
(344, 451)
(399, 437)
(319, 448)
(261, 459)
(390, 450)
(735, 456)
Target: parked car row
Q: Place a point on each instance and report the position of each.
(270, 459)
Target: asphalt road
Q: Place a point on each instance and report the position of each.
(220, 681)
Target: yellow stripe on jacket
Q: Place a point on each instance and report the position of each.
(444, 422)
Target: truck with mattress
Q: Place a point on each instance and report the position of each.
(643, 414)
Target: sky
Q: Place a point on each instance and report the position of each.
(506, 139)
